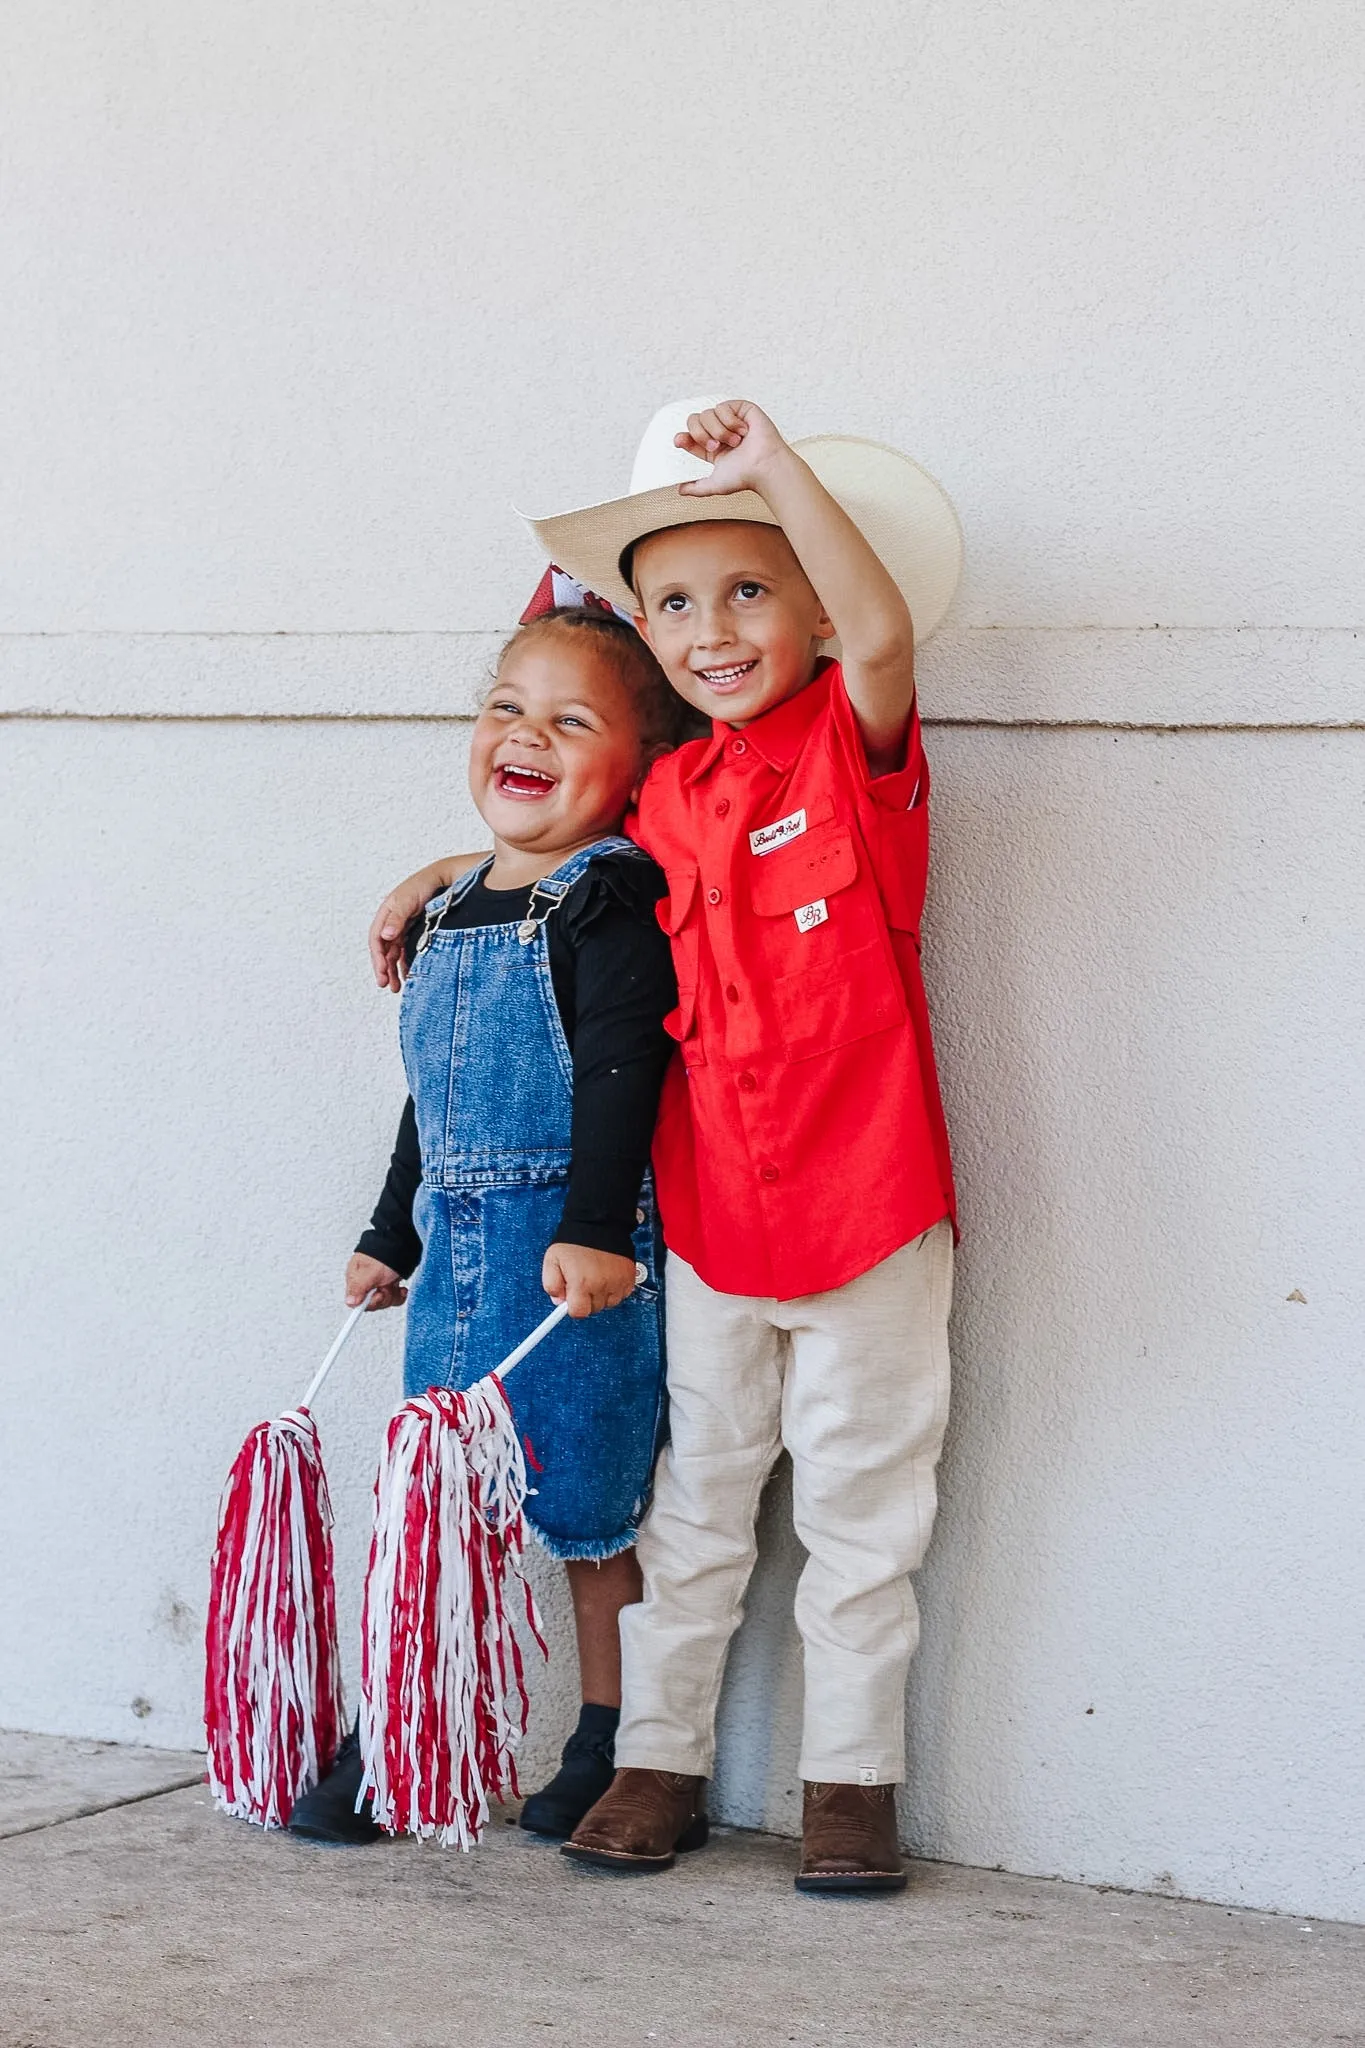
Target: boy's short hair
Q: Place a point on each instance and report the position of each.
(666, 720)
(626, 560)
(626, 564)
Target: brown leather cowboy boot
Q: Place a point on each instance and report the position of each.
(639, 1822)
(848, 1840)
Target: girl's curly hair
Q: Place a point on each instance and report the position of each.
(666, 719)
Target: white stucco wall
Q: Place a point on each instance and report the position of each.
(298, 300)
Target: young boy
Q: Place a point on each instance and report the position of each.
(801, 1157)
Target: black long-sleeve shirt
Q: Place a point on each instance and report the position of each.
(613, 982)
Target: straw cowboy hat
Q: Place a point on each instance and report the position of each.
(905, 516)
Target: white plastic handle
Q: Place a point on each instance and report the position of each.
(542, 1330)
(338, 1346)
(527, 1344)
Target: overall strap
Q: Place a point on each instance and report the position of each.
(438, 905)
(549, 892)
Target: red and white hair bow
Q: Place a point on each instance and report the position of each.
(556, 591)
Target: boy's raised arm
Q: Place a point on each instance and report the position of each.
(863, 604)
(401, 906)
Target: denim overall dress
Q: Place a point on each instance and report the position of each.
(491, 1078)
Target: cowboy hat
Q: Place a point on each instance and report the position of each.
(906, 518)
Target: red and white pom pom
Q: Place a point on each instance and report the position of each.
(272, 1685)
(444, 1699)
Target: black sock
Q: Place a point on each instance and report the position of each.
(597, 1721)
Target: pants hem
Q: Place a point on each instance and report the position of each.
(813, 1771)
(631, 1758)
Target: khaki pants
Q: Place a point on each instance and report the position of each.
(855, 1384)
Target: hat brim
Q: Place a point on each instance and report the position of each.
(905, 516)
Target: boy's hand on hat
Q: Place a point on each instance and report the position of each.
(363, 1273)
(586, 1279)
(738, 439)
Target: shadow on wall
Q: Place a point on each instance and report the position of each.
(1006, 1419)
(758, 1725)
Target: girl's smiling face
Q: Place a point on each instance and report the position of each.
(557, 755)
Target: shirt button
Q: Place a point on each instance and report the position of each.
(739, 746)
(713, 895)
(731, 992)
(639, 1215)
(769, 1173)
(748, 1083)
(722, 807)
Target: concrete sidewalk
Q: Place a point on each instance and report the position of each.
(159, 1923)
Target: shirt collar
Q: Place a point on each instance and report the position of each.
(777, 736)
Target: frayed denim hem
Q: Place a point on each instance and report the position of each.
(583, 1550)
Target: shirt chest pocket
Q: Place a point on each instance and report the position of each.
(826, 955)
(679, 913)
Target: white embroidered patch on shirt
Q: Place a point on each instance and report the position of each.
(769, 836)
(811, 914)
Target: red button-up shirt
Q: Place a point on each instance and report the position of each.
(801, 1137)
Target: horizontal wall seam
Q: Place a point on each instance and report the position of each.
(484, 632)
(1110, 677)
(38, 717)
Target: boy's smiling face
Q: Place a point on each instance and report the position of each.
(731, 615)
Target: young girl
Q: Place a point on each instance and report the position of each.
(532, 1035)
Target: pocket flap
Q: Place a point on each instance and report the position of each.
(681, 1022)
(682, 1025)
(674, 909)
(802, 873)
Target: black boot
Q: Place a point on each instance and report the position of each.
(586, 1769)
(328, 1812)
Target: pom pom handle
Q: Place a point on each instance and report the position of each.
(528, 1344)
(339, 1343)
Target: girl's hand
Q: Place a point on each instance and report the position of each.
(362, 1274)
(587, 1280)
(400, 907)
(738, 439)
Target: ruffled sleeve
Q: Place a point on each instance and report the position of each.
(618, 881)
